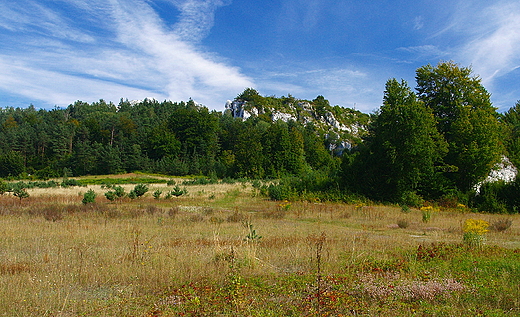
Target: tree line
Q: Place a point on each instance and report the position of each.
(160, 137)
(434, 143)
(437, 143)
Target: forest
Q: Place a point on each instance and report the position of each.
(432, 144)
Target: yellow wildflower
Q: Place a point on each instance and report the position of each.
(477, 226)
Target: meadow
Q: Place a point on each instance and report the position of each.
(225, 250)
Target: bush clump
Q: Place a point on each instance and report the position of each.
(138, 191)
(501, 225)
(89, 197)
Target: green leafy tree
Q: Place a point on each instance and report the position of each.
(83, 159)
(108, 159)
(162, 142)
(276, 143)
(404, 146)
(316, 155)
(296, 155)
(321, 105)
(511, 126)
(465, 118)
(252, 96)
(249, 152)
(197, 130)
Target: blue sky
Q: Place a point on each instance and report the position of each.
(55, 52)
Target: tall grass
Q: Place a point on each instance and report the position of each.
(197, 256)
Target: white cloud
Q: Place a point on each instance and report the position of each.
(485, 35)
(342, 86)
(29, 16)
(15, 77)
(418, 23)
(196, 18)
(497, 51)
(137, 56)
(423, 50)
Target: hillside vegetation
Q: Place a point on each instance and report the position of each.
(437, 144)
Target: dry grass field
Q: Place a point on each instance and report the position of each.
(224, 250)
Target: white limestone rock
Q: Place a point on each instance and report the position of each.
(503, 171)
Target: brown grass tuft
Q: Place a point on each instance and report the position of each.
(501, 225)
(14, 268)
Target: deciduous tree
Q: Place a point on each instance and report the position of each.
(466, 119)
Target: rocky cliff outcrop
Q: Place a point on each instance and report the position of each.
(504, 171)
(343, 127)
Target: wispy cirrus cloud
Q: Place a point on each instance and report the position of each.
(196, 18)
(485, 35)
(496, 51)
(18, 75)
(136, 55)
(347, 86)
(422, 50)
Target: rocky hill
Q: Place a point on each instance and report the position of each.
(342, 127)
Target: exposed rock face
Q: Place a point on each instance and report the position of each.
(286, 117)
(503, 171)
(237, 109)
(340, 133)
(340, 147)
(303, 112)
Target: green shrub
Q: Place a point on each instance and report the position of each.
(405, 209)
(281, 191)
(70, 182)
(20, 193)
(200, 181)
(498, 197)
(4, 187)
(257, 184)
(138, 191)
(119, 191)
(411, 198)
(110, 195)
(178, 192)
(89, 197)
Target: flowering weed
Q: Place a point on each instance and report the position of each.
(474, 230)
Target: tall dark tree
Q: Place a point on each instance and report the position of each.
(276, 143)
(197, 130)
(11, 164)
(511, 125)
(316, 155)
(249, 151)
(295, 164)
(403, 147)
